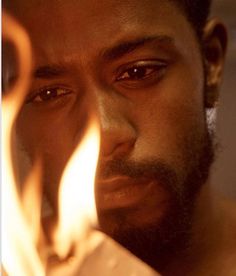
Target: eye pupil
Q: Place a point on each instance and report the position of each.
(137, 72)
(48, 94)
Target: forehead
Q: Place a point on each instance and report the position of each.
(72, 28)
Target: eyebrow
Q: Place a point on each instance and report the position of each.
(126, 47)
(109, 54)
(49, 71)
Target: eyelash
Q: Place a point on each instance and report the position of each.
(48, 94)
(135, 73)
(141, 71)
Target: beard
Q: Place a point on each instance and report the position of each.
(157, 243)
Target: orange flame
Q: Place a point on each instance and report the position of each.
(77, 210)
(19, 254)
(21, 216)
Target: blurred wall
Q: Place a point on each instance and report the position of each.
(224, 173)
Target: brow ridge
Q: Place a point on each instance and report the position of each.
(49, 71)
(127, 47)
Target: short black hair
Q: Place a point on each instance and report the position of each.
(197, 12)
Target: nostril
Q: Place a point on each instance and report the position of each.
(116, 150)
(123, 148)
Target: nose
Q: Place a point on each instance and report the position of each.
(118, 134)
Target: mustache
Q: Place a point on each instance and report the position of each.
(153, 169)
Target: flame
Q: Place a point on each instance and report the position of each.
(19, 254)
(77, 209)
(21, 215)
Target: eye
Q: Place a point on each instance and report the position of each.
(141, 71)
(49, 94)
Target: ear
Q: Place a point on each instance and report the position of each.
(214, 50)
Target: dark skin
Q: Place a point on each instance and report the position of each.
(149, 82)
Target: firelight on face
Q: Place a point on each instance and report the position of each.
(145, 77)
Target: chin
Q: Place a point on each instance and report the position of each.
(118, 221)
(154, 238)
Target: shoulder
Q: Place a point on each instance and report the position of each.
(228, 236)
(228, 209)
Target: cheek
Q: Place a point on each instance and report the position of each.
(171, 118)
(49, 129)
(41, 135)
(52, 137)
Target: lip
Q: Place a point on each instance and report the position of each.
(122, 191)
(116, 183)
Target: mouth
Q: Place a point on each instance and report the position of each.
(126, 192)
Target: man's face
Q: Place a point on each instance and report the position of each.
(140, 65)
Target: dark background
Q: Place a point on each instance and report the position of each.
(224, 171)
